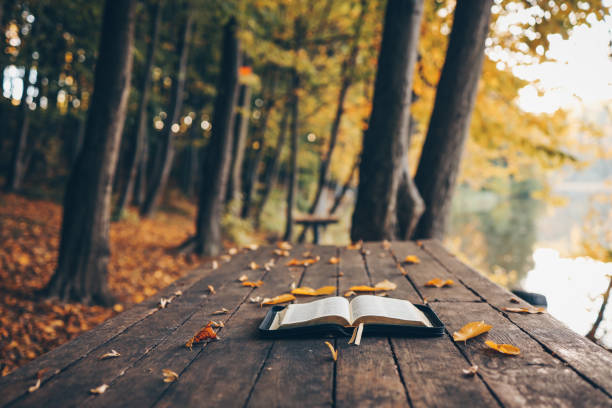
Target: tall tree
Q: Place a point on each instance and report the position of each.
(162, 168)
(384, 142)
(18, 166)
(140, 139)
(84, 248)
(240, 128)
(217, 155)
(448, 126)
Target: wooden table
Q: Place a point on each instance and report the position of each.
(556, 367)
(315, 222)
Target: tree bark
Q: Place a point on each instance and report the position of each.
(241, 127)
(84, 246)
(384, 143)
(125, 195)
(217, 155)
(448, 126)
(18, 165)
(161, 173)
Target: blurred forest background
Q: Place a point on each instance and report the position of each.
(534, 173)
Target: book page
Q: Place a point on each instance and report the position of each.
(377, 309)
(333, 310)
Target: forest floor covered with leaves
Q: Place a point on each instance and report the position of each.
(142, 262)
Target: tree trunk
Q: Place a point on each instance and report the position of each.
(217, 155)
(161, 172)
(293, 168)
(449, 122)
(84, 247)
(125, 195)
(271, 173)
(606, 297)
(18, 163)
(241, 127)
(384, 143)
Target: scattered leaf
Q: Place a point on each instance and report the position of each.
(514, 300)
(385, 285)
(34, 387)
(307, 291)
(334, 260)
(178, 293)
(285, 297)
(334, 352)
(99, 390)
(118, 307)
(349, 293)
(252, 247)
(439, 283)
(256, 299)
(472, 370)
(243, 278)
(402, 270)
(412, 259)
(386, 244)
(253, 266)
(340, 273)
(252, 284)
(169, 375)
(355, 245)
(205, 333)
(211, 289)
(224, 258)
(362, 288)
(419, 244)
(215, 265)
(110, 354)
(163, 302)
(281, 252)
(301, 262)
(530, 310)
(504, 348)
(232, 251)
(221, 311)
(284, 245)
(470, 330)
(307, 254)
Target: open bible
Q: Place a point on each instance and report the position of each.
(338, 314)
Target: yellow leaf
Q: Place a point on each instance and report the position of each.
(355, 245)
(386, 244)
(252, 284)
(334, 260)
(470, 371)
(169, 375)
(504, 348)
(252, 247)
(285, 297)
(35, 386)
(530, 310)
(362, 288)
(99, 390)
(307, 291)
(243, 278)
(253, 265)
(211, 289)
(334, 352)
(349, 293)
(385, 285)
(110, 354)
(439, 283)
(221, 311)
(470, 330)
(23, 259)
(412, 259)
(284, 245)
(301, 262)
(281, 252)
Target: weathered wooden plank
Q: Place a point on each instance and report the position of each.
(16, 384)
(431, 367)
(308, 360)
(590, 360)
(429, 269)
(223, 372)
(534, 378)
(71, 386)
(366, 375)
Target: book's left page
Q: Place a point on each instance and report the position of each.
(329, 310)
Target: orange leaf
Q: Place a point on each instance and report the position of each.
(470, 330)
(281, 252)
(439, 283)
(252, 284)
(169, 375)
(285, 297)
(385, 285)
(253, 265)
(284, 245)
(301, 262)
(355, 245)
(307, 291)
(362, 288)
(245, 70)
(349, 293)
(532, 310)
(205, 333)
(504, 348)
(334, 260)
(412, 259)
(333, 351)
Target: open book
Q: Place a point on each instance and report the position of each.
(365, 309)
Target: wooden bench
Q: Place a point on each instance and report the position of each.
(315, 222)
(556, 367)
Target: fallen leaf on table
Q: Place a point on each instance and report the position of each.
(514, 300)
(504, 348)
(470, 371)
(307, 254)
(243, 278)
(211, 289)
(307, 291)
(110, 354)
(334, 260)
(256, 299)
(385, 285)
(284, 245)
(362, 288)
(118, 307)
(163, 302)
(470, 330)
(402, 270)
(232, 251)
(355, 245)
(178, 293)
(419, 243)
(268, 265)
(224, 258)
(340, 273)
(281, 252)
(301, 262)
(293, 285)
(386, 244)
(333, 351)
(530, 310)
(221, 311)
(285, 297)
(215, 265)
(253, 265)
(35, 386)
(216, 324)
(252, 284)
(439, 283)
(349, 293)
(204, 333)
(99, 390)
(252, 247)
(169, 375)
(412, 259)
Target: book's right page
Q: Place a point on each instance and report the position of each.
(377, 309)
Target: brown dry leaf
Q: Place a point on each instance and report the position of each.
(252, 247)
(243, 278)
(285, 297)
(169, 375)
(334, 260)
(514, 300)
(178, 293)
(470, 330)
(419, 244)
(504, 348)
(530, 310)
(402, 270)
(301, 262)
(284, 245)
(221, 311)
(224, 258)
(412, 259)
(439, 283)
(253, 266)
(281, 252)
(306, 254)
(362, 288)
(385, 285)
(252, 284)
(334, 352)
(99, 390)
(110, 354)
(211, 289)
(340, 273)
(472, 370)
(349, 293)
(232, 251)
(386, 244)
(215, 265)
(355, 245)
(307, 291)
(256, 299)
(205, 333)
(35, 386)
